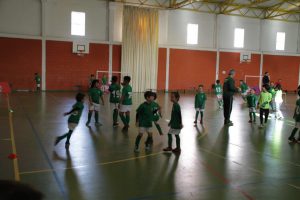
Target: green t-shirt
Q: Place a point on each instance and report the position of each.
(244, 87)
(75, 116)
(200, 99)
(37, 79)
(155, 108)
(218, 89)
(95, 95)
(264, 100)
(273, 92)
(176, 120)
(104, 80)
(297, 111)
(114, 93)
(251, 100)
(145, 114)
(127, 94)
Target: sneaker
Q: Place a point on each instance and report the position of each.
(250, 121)
(201, 122)
(195, 122)
(261, 126)
(148, 147)
(254, 122)
(115, 124)
(167, 149)
(57, 140)
(292, 140)
(125, 128)
(67, 145)
(136, 149)
(177, 150)
(87, 123)
(98, 124)
(228, 124)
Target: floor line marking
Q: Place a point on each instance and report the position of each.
(12, 139)
(294, 186)
(6, 139)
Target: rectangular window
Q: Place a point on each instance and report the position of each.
(192, 34)
(78, 23)
(280, 41)
(239, 37)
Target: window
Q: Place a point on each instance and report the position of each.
(192, 34)
(78, 23)
(239, 38)
(280, 40)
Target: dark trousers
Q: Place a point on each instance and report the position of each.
(263, 112)
(227, 100)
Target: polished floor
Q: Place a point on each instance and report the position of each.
(239, 162)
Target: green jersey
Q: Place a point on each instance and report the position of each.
(273, 92)
(200, 99)
(176, 120)
(145, 114)
(155, 109)
(251, 100)
(264, 100)
(37, 79)
(244, 87)
(127, 95)
(297, 111)
(114, 93)
(75, 116)
(104, 80)
(218, 89)
(95, 95)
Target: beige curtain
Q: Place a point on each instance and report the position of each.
(140, 47)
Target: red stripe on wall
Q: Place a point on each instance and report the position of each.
(116, 61)
(283, 67)
(161, 69)
(230, 60)
(19, 60)
(65, 69)
(189, 68)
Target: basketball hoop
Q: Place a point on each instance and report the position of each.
(246, 61)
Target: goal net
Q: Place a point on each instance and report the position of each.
(104, 78)
(253, 81)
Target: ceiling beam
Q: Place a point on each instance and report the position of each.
(253, 3)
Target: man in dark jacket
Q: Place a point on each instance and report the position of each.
(228, 91)
(266, 79)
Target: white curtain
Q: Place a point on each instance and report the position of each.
(140, 47)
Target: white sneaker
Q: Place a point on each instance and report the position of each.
(261, 126)
(136, 150)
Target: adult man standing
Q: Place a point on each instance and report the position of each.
(266, 79)
(228, 91)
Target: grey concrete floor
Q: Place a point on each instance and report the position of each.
(239, 162)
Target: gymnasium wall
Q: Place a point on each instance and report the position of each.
(161, 69)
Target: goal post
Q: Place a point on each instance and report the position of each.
(253, 81)
(101, 75)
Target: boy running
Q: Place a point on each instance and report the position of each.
(175, 124)
(218, 92)
(37, 79)
(114, 98)
(244, 89)
(73, 120)
(251, 101)
(95, 94)
(126, 102)
(200, 99)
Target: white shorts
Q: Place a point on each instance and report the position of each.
(38, 85)
(219, 97)
(94, 107)
(145, 129)
(114, 106)
(174, 131)
(252, 109)
(297, 124)
(199, 109)
(125, 108)
(72, 126)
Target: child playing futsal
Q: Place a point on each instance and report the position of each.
(273, 93)
(218, 92)
(200, 99)
(244, 89)
(297, 122)
(104, 83)
(37, 79)
(114, 98)
(95, 94)
(251, 101)
(125, 102)
(156, 114)
(73, 120)
(175, 124)
(278, 102)
(144, 118)
(264, 105)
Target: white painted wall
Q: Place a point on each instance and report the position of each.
(20, 17)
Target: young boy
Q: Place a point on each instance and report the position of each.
(273, 93)
(264, 104)
(114, 98)
(144, 118)
(244, 89)
(218, 92)
(297, 122)
(37, 79)
(91, 79)
(200, 99)
(251, 101)
(125, 102)
(175, 124)
(95, 94)
(278, 102)
(73, 120)
(104, 83)
(156, 114)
